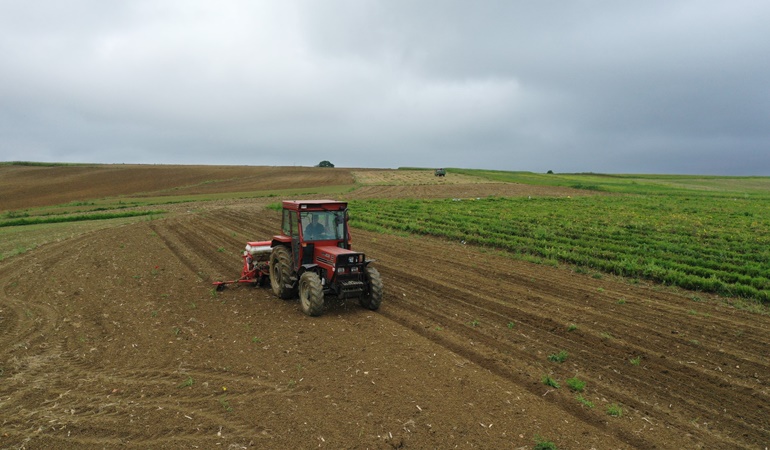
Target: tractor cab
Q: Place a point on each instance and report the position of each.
(323, 225)
(313, 256)
(310, 224)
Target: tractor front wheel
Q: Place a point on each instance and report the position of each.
(373, 298)
(311, 295)
(281, 273)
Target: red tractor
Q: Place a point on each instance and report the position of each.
(312, 258)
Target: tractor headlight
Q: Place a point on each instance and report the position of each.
(340, 270)
(355, 269)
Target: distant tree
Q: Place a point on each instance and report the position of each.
(550, 171)
(325, 163)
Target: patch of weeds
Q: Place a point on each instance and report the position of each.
(584, 401)
(695, 298)
(636, 361)
(193, 305)
(293, 382)
(176, 331)
(752, 306)
(225, 403)
(692, 312)
(154, 314)
(548, 381)
(606, 336)
(600, 289)
(576, 384)
(186, 383)
(580, 269)
(695, 342)
(558, 357)
(474, 323)
(597, 276)
(221, 249)
(438, 328)
(572, 327)
(511, 325)
(256, 340)
(542, 444)
(614, 410)
(165, 296)
(621, 301)
(213, 293)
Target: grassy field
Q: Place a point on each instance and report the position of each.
(687, 185)
(708, 234)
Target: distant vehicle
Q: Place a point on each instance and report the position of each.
(440, 172)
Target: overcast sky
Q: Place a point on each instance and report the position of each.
(659, 86)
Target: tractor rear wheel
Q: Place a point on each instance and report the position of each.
(311, 295)
(281, 273)
(373, 298)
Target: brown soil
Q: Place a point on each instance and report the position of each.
(115, 339)
(32, 186)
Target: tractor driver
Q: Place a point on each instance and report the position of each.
(314, 228)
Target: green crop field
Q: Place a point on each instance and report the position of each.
(708, 234)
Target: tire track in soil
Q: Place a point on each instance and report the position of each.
(74, 410)
(155, 385)
(504, 358)
(712, 398)
(484, 299)
(194, 241)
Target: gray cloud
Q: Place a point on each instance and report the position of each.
(661, 86)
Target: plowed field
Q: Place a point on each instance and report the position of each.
(116, 339)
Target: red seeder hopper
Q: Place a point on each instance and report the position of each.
(256, 265)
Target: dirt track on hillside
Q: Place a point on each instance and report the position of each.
(116, 339)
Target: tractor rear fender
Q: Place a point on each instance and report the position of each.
(280, 240)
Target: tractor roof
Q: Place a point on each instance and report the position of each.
(314, 205)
